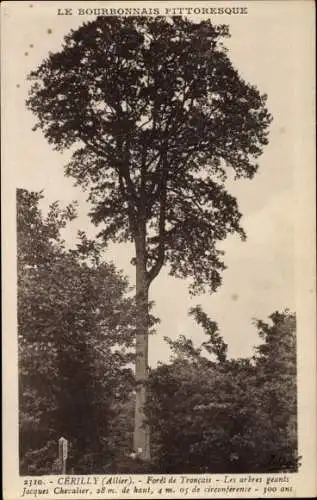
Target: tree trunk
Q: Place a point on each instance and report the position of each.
(141, 438)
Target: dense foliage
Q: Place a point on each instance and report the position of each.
(225, 415)
(156, 114)
(75, 328)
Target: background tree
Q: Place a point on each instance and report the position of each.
(155, 113)
(275, 384)
(76, 330)
(218, 415)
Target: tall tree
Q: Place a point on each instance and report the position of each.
(76, 331)
(155, 113)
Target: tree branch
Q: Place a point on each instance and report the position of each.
(154, 271)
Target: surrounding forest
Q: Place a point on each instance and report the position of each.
(76, 327)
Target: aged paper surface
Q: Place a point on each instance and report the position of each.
(271, 46)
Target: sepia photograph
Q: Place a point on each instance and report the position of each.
(151, 217)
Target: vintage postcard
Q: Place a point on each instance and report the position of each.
(158, 237)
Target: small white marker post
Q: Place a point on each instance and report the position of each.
(62, 453)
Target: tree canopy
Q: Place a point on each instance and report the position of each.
(75, 330)
(155, 112)
(219, 415)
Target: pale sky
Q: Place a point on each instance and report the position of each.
(260, 274)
